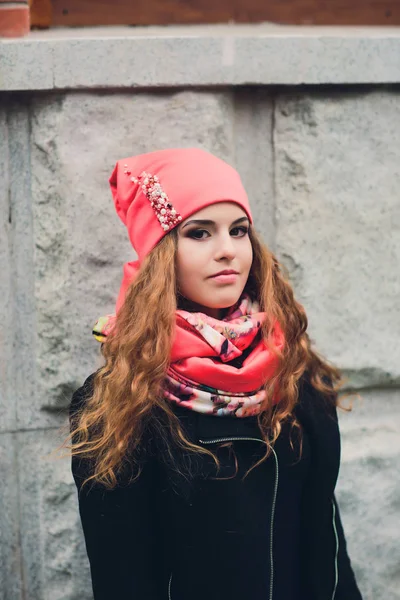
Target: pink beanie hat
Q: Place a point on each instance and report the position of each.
(154, 192)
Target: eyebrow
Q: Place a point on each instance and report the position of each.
(209, 222)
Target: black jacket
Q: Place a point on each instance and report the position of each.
(169, 537)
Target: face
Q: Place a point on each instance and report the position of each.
(211, 241)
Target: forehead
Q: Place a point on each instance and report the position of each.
(219, 212)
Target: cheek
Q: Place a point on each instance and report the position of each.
(248, 256)
(188, 262)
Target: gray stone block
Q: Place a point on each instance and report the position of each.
(8, 413)
(17, 304)
(203, 55)
(22, 381)
(227, 55)
(253, 156)
(54, 558)
(338, 223)
(301, 55)
(80, 243)
(369, 491)
(11, 587)
(135, 62)
(26, 65)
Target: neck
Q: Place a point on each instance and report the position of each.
(185, 304)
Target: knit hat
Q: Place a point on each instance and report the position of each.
(154, 192)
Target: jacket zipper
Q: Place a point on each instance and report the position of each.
(252, 439)
(337, 548)
(169, 587)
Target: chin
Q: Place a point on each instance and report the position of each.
(223, 300)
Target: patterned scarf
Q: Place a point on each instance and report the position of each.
(218, 367)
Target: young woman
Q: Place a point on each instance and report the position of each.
(206, 449)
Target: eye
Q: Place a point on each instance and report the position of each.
(197, 234)
(239, 231)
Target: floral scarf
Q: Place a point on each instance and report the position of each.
(218, 367)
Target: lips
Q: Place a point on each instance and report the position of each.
(225, 272)
(226, 277)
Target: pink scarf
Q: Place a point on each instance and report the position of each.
(217, 367)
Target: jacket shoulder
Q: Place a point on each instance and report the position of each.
(313, 402)
(80, 395)
(317, 414)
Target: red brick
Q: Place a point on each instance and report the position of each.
(14, 20)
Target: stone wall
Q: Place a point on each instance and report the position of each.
(322, 169)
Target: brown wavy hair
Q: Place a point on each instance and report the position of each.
(127, 390)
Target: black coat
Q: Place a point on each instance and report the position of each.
(167, 537)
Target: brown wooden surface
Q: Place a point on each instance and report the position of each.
(41, 13)
(161, 12)
(320, 12)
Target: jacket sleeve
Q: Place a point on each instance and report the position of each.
(120, 530)
(346, 588)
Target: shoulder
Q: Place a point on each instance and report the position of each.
(317, 414)
(80, 395)
(313, 402)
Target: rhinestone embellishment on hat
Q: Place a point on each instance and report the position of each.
(166, 214)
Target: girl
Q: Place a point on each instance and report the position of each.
(206, 449)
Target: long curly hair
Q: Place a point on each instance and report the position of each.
(127, 390)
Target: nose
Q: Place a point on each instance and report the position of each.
(225, 247)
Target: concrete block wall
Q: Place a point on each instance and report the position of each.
(322, 169)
